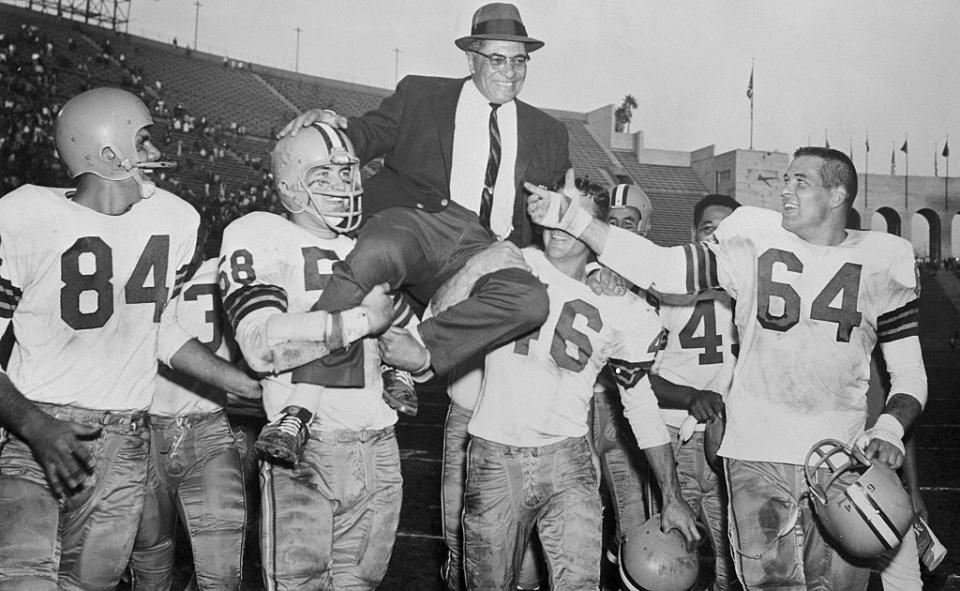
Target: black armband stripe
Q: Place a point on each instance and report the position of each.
(253, 297)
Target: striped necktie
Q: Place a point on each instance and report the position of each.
(493, 167)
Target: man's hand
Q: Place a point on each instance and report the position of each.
(251, 390)
(677, 515)
(706, 406)
(546, 207)
(308, 118)
(59, 448)
(884, 441)
(497, 256)
(399, 349)
(378, 305)
(606, 282)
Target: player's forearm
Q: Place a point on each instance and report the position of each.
(904, 408)
(663, 466)
(199, 362)
(641, 411)
(908, 376)
(670, 395)
(639, 260)
(19, 415)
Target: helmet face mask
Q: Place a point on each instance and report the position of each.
(317, 171)
(103, 132)
(861, 503)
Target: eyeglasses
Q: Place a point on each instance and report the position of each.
(497, 61)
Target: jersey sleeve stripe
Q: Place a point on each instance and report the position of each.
(253, 297)
(688, 254)
(900, 323)
(10, 296)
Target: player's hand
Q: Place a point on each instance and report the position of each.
(59, 448)
(884, 441)
(677, 515)
(378, 305)
(546, 207)
(310, 117)
(706, 406)
(884, 451)
(399, 349)
(605, 282)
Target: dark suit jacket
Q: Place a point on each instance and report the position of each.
(413, 130)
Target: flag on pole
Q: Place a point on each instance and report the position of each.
(935, 164)
(946, 150)
(893, 162)
(866, 143)
(750, 85)
(903, 148)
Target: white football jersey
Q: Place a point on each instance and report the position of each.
(809, 317)
(85, 292)
(537, 389)
(701, 345)
(269, 265)
(199, 312)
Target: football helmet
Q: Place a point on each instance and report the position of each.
(867, 517)
(96, 132)
(651, 560)
(295, 158)
(633, 196)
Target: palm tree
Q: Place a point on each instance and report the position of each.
(624, 113)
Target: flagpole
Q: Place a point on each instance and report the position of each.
(866, 170)
(906, 173)
(750, 96)
(946, 178)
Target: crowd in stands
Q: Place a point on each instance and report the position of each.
(39, 72)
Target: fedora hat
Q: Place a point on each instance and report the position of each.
(501, 22)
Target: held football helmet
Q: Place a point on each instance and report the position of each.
(295, 160)
(867, 517)
(651, 560)
(633, 196)
(96, 132)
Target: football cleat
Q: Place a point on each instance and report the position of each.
(398, 390)
(281, 441)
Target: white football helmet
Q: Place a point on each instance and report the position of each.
(633, 196)
(867, 517)
(294, 158)
(96, 132)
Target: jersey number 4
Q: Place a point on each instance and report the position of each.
(846, 281)
(703, 313)
(153, 260)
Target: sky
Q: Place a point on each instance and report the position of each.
(822, 69)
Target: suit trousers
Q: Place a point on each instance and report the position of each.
(419, 251)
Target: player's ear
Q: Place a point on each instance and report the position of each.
(838, 195)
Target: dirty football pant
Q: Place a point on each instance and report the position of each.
(419, 250)
(704, 492)
(195, 473)
(511, 491)
(774, 536)
(84, 541)
(622, 464)
(330, 521)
